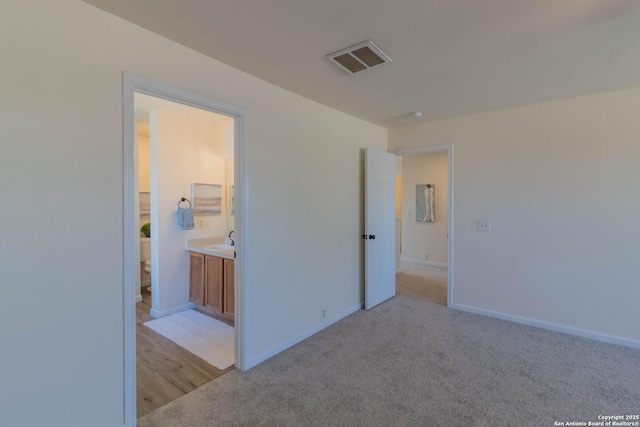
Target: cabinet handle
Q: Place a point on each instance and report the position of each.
(364, 236)
(372, 236)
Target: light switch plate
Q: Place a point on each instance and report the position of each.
(484, 225)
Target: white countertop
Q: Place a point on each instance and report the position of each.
(200, 245)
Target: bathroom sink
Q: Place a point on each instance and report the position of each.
(221, 248)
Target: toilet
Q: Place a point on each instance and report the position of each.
(145, 261)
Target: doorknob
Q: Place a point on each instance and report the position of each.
(364, 236)
(372, 236)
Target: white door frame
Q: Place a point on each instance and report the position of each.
(449, 150)
(132, 84)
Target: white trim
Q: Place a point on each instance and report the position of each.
(304, 336)
(163, 313)
(450, 261)
(133, 83)
(139, 298)
(611, 339)
(422, 262)
(130, 240)
(451, 240)
(422, 150)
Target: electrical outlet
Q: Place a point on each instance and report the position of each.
(200, 223)
(484, 225)
(323, 313)
(425, 257)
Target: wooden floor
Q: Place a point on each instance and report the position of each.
(165, 371)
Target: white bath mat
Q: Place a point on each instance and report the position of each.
(202, 335)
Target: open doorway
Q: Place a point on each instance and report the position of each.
(181, 345)
(423, 214)
(195, 161)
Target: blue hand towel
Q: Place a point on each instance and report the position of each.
(185, 218)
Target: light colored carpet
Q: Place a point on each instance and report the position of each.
(422, 282)
(408, 363)
(207, 338)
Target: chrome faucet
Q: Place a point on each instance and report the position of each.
(233, 243)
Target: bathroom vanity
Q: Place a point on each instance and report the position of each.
(211, 282)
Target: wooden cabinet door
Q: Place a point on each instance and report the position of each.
(196, 278)
(213, 284)
(229, 288)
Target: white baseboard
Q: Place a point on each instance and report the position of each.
(138, 297)
(421, 262)
(163, 313)
(256, 361)
(611, 339)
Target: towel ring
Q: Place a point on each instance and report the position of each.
(184, 200)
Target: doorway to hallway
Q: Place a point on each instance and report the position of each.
(423, 223)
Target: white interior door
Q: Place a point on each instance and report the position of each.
(379, 227)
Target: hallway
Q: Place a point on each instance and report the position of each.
(422, 282)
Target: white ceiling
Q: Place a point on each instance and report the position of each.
(450, 58)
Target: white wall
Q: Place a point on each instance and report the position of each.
(61, 222)
(143, 165)
(186, 147)
(421, 238)
(144, 160)
(559, 182)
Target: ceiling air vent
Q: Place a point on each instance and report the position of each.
(359, 57)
